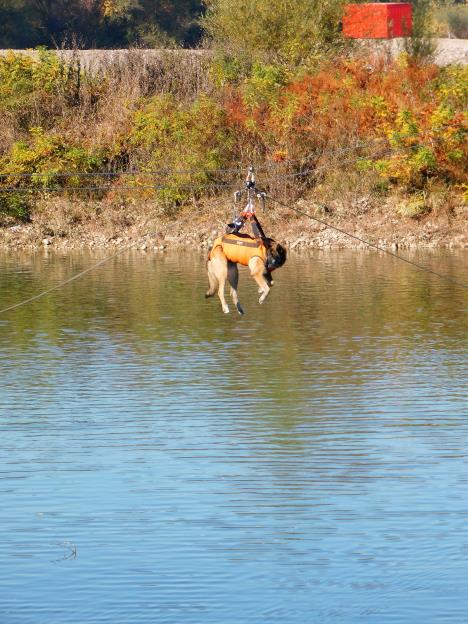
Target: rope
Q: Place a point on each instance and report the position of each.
(211, 185)
(366, 242)
(172, 172)
(67, 281)
(160, 187)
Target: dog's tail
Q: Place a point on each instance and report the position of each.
(212, 279)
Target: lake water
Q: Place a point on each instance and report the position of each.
(161, 462)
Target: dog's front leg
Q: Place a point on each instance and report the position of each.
(257, 269)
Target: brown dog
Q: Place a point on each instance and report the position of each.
(261, 256)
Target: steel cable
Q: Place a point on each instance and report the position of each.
(368, 243)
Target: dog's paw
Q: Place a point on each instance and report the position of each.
(240, 309)
(226, 310)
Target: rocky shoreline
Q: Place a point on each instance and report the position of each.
(63, 230)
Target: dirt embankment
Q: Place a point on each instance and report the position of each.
(65, 226)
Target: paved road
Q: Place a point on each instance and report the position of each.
(448, 51)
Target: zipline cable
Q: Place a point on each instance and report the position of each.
(366, 242)
(170, 172)
(67, 281)
(184, 186)
(272, 199)
(276, 201)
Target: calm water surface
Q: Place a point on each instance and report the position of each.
(161, 462)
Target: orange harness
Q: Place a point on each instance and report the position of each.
(240, 248)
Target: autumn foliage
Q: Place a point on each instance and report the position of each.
(391, 128)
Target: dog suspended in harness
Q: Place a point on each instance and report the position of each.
(258, 252)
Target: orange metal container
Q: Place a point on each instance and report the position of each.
(377, 20)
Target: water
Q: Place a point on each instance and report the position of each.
(162, 462)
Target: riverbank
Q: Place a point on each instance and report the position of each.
(64, 226)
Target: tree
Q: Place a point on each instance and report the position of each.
(15, 27)
(421, 45)
(99, 23)
(284, 31)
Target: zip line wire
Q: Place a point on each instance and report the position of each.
(366, 242)
(213, 185)
(276, 201)
(182, 186)
(67, 281)
(171, 172)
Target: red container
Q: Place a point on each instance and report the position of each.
(377, 20)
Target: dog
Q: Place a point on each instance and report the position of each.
(262, 256)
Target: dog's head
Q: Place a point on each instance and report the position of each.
(276, 254)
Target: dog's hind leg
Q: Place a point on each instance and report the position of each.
(233, 279)
(219, 271)
(212, 281)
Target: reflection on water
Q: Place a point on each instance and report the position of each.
(163, 462)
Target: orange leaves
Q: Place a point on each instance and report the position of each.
(355, 101)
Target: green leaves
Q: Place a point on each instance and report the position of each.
(284, 32)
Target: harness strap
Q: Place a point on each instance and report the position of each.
(241, 242)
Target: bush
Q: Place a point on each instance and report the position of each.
(274, 31)
(34, 89)
(169, 135)
(15, 205)
(421, 45)
(413, 207)
(52, 164)
(453, 21)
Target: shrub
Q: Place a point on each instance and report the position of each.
(421, 45)
(33, 89)
(274, 31)
(50, 160)
(167, 135)
(413, 207)
(15, 205)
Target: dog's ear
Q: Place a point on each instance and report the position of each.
(280, 253)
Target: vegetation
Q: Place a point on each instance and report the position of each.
(99, 23)
(421, 45)
(281, 90)
(395, 128)
(282, 32)
(267, 30)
